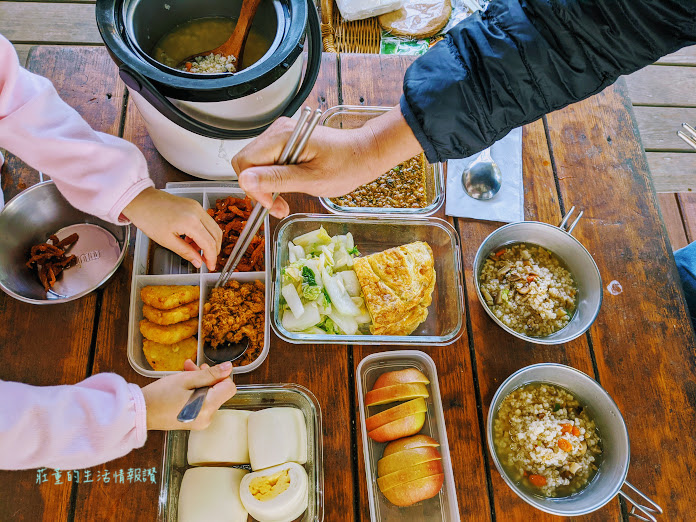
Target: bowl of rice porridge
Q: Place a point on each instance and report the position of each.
(560, 442)
(538, 282)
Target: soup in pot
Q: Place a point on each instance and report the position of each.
(546, 441)
(203, 34)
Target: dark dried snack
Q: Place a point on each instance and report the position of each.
(231, 214)
(49, 260)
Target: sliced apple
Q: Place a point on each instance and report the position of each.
(398, 428)
(417, 441)
(395, 413)
(426, 469)
(398, 392)
(406, 459)
(400, 377)
(414, 491)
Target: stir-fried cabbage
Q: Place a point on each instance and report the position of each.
(321, 292)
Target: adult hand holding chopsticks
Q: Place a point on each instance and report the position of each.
(333, 163)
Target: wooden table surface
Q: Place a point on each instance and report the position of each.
(641, 347)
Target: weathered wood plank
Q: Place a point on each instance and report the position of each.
(685, 56)
(687, 203)
(23, 53)
(643, 341)
(510, 353)
(38, 22)
(659, 125)
(58, 352)
(671, 215)
(383, 87)
(669, 86)
(673, 171)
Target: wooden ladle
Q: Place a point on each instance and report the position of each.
(234, 46)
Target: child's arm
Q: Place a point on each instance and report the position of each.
(97, 173)
(98, 419)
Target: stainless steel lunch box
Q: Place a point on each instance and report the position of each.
(29, 218)
(576, 258)
(613, 469)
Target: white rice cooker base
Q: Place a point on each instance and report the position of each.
(209, 158)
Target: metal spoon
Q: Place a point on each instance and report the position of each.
(226, 351)
(482, 178)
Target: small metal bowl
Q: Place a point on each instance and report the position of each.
(576, 258)
(29, 219)
(613, 468)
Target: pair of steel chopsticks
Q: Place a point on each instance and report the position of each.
(293, 148)
(690, 139)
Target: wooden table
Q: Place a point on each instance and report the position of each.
(641, 348)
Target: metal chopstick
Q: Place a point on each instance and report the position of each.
(293, 148)
(691, 140)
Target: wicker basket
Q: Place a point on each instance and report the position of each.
(339, 36)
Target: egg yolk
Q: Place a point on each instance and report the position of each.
(270, 486)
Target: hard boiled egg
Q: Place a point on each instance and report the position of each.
(277, 494)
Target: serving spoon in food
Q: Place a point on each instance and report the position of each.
(234, 46)
(225, 351)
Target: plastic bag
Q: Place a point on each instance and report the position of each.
(417, 19)
(397, 45)
(359, 9)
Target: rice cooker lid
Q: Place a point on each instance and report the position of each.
(180, 85)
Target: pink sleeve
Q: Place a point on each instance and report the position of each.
(97, 173)
(70, 427)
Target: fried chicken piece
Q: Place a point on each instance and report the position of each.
(175, 315)
(170, 357)
(234, 311)
(166, 297)
(168, 334)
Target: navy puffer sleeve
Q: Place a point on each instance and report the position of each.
(521, 59)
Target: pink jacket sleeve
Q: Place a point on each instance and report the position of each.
(97, 173)
(71, 426)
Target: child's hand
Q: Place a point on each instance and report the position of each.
(164, 218)
(165, 397)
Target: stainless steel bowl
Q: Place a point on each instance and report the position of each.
(613, 469)
(28, 219)
(576, 258)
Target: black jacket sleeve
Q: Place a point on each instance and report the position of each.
(521, 59)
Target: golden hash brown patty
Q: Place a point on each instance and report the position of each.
(175, 315)
(168, 334)
(166, 297)
(170, 357)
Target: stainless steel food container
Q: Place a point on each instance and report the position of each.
(442, 507)
(573, 254)
(371, 234)
(28, 219)
(155, 265)
(252, 397)
(355, 116)
(613, 468)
